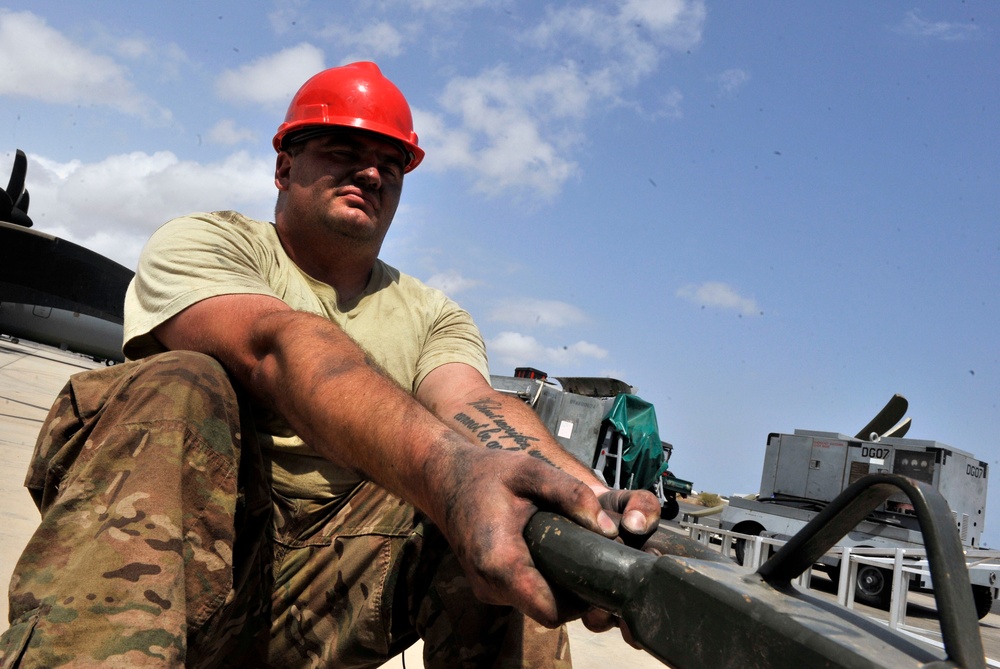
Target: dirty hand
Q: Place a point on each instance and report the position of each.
(484, 499)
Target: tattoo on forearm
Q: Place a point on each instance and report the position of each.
(535, 453)
(496, 432)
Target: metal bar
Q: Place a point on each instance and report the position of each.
(900, 586)
(699, 614)
(845, 589)
(693, 611)
(618, 464)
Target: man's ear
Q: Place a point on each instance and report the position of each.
(282, 167)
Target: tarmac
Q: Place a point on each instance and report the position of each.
(31, 375)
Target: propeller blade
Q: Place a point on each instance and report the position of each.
(17, 174)
(14, 200)
(23, 201)
(891, 413)
(900, 430)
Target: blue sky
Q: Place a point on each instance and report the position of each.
(766, 216)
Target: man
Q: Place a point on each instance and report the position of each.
(307, 459)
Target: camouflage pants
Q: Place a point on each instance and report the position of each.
(162, 544)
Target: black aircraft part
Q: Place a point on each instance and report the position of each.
(39, 269)
(14, 200)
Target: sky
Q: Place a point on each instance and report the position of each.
(765, 216)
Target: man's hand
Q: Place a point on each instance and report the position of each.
(534, 472)
(488, 497)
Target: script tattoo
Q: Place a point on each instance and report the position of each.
(496, 432)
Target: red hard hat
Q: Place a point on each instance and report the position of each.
(353, 96)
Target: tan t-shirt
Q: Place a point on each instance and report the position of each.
(408, 328)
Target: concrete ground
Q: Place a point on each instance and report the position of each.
(589, 651)
(32, 375)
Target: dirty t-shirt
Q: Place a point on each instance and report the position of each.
(406, 327)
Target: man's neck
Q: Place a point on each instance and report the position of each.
(346, 267)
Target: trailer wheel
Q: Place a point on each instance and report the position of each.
(873, 586)
(670, 508)
(982, 595)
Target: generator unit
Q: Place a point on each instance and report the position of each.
(809, 467)
(804, 471)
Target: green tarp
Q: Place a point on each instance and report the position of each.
(642, 461)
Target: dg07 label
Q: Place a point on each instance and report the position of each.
(874, 452)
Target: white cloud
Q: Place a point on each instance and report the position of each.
(378, 39)
(273, 79)
(732, 80)
(531, 311)
(227, 133)
(669, 17)
(507, 135)
(443, 5)
(286, 16)
(515, 133)
(511, 349)
(719, 295)
(914, 24)
(133, 47)
(632, 34)
(167, 60)
(670, 104)
(112, 206)
(40, 63)
(451, 283)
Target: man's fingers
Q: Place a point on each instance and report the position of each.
(598, 621)
(539, 602)
(557, 491)
(519, 584)
(637, 522)
(640, 514)
(640, 509)
(490, 541)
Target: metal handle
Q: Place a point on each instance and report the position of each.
(952, 592)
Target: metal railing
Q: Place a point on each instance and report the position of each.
(902, 563)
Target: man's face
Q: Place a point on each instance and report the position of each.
(347, 183)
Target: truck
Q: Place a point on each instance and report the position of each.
(805, 470)
(605, 425)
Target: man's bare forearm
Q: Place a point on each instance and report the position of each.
(503, 422)
(496, 430)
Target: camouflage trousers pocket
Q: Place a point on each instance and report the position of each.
(16, 638)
